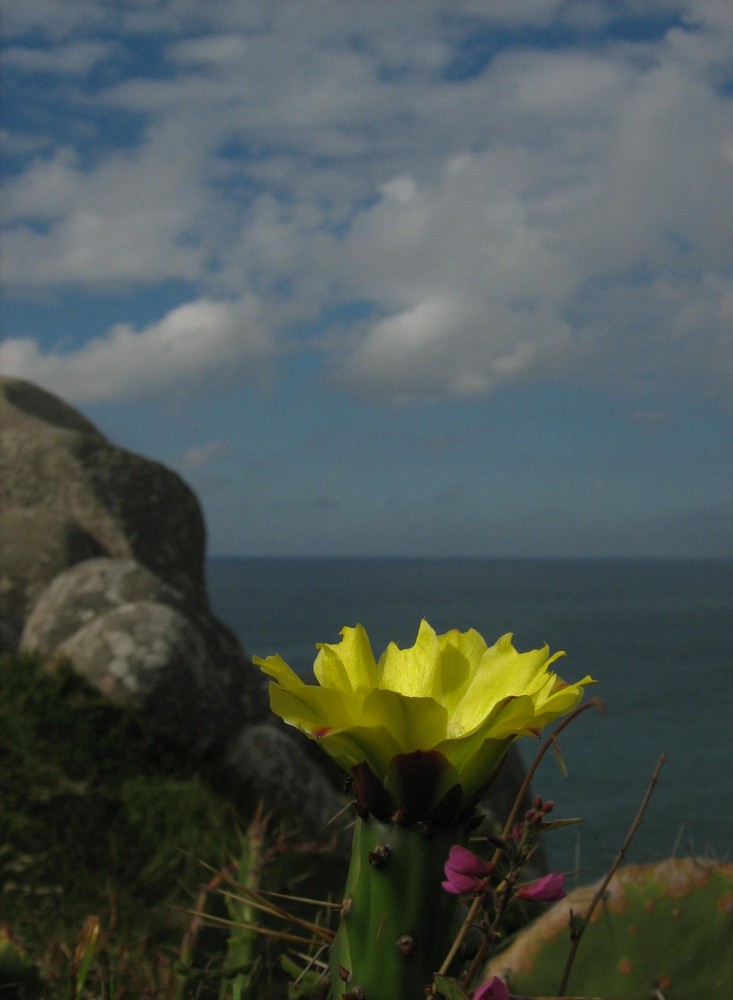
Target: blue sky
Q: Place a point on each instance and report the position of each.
(384, 278)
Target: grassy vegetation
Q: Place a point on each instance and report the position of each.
(99, 818)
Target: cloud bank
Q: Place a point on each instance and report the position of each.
(194, 342)
(432, 201)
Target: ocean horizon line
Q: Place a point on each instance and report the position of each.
(229, 557)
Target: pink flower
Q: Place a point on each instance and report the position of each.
(493, 990)
(465, 871)
(545, 890)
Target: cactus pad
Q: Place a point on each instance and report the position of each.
(663, 930)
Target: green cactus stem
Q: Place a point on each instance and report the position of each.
(396, 921)
(664, 930)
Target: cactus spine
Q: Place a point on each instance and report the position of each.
(396, 919)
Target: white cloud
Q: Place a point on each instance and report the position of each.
(202, 455)
(137, 216)
(567, 209)
(54, 19)
(193, 346)
(74, 58)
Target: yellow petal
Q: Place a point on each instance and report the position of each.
(415, 723)
(313, 710)
(448, 693)
(357, 744)
(276, 667)
(563, 700)
(347, 665)
(460, 655)
(502, 673)
(479, 757)
(513, 717)
(416, 671)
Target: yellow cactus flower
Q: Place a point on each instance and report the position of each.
(450, 702)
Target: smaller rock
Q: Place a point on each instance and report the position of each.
(93, 588)
(270, 763)
(85, 591)
(149, 658)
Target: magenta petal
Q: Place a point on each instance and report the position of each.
(466, 862)
(493, 990)
(545, 890)
(461, 883)
(450, 887)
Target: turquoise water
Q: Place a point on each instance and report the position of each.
(657, 636)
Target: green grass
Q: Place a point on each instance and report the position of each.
(99, 818)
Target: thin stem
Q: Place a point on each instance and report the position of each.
(532, 770)
(600, 892)
(476, 904)
(320, 903)
(212, 921)
(256, 901)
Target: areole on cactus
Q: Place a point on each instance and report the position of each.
(421, 731)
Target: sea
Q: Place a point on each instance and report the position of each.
(656, 635)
